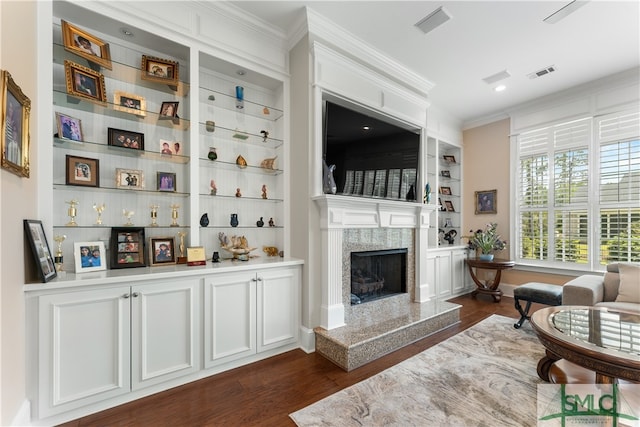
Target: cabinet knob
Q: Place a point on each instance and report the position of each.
(135, 294)
(125, 296)
(254, 280)
(259, 279)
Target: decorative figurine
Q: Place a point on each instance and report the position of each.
(174, 216)
(213, 155)
(450, 236)
(128, 214)
(214, 189)
(427, 193)
(238, 246)
(241, 162)
(271, 222)
(99, 209)
(328, 182)
(234, 220)
(238, 193)
(268, 163)
(204, 220)
(264, 191)
(182, 259)
(260, 222)
(210, 125)
(265, 135)
(154, 215)
(215, 257)
(270, 250)
(72, 212)
(58, 259)
(266, 111)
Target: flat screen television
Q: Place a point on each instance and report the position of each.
(374, 157)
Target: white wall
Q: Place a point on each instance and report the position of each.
(18, 201)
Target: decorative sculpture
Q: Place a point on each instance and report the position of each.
(238, 246)
(99, 209)
(328, 182)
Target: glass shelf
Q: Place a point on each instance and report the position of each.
(233, 197)
(118, 225)
(233, 166)
(239, 136)
(228, 102)
(94, 147)
(253, 227)
(64, 187)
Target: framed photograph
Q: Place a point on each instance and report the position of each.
(34, 232)
(127, 247)
(445, 174)
(486, 202)
(89, 256)
(170, 147)
(449, 206)
(161, 250)
(84, 83)
(85, 45)
(449, 159)
(160, 70)
(125, 139)
(445, 190)
(166, 181)
(82, 171)
(14, 129)
(69, 127)
(129, 103)
(130, 179)
(196, 256)
(169, 110)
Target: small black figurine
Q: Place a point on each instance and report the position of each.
(204, 220)
(271, 222)
(450, 236)
(260, 222)
(215, 257)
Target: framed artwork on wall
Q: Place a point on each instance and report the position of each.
(486, 202)
(14, 129)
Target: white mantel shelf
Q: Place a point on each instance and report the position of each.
(361, 212)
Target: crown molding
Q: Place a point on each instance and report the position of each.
(320, 27)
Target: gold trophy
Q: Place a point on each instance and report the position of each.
(99, 209)
(58, 259)
(72, 212)
(182, 259)
(154, 215)
(174, 216)
(128, 214)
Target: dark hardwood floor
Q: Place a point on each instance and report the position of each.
(266, 392)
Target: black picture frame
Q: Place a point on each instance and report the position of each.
(34, 233)
(125, 139)
(127, 247)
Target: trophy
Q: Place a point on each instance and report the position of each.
(99, 209)
(58, 259)
(128, 214)
(182, 259)
(72, 212)
(174, 216)
(154, 215)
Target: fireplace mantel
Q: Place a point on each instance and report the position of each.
(339, 213)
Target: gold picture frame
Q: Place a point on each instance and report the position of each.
(84, 83)
(160, 71)
(14, 129)
(129, 179)
(86, 45)
(129, 103)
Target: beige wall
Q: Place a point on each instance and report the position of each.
(18, 33)
(487, 167)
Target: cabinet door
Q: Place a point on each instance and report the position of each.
(443, 274)
(165, 331)
(458, 271)
(278, 316)
(230, 321)
(431, 267)
(84, 347)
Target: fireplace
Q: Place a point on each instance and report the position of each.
(378, 274)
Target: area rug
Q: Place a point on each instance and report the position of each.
(484, 376)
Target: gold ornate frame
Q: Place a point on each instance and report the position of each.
(120, 98)
(73, 71)
(15, 152)
(70, 34)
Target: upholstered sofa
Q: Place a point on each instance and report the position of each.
(618, 288)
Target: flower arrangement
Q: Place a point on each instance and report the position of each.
(487, 240)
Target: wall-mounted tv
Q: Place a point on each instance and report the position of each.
(374, 156)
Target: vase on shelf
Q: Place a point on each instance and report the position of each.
(485, 257)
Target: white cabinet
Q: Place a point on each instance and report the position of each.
(458, 272)
(439, 273)
(98, 344)
(250, 312)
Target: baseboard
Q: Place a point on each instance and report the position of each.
(307, 340)
(23, 417)
(507, 289)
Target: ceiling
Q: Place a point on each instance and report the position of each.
(483, 38)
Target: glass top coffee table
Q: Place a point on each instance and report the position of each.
(600, 339)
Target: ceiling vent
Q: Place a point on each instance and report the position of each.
(433, 20)
(496, 77)
(543, 72)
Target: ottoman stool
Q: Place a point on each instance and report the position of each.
(541, 293)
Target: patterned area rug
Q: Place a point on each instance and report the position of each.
(484, 376)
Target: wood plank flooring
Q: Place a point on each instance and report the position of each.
(266, 392)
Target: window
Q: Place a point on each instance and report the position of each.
(578, 193)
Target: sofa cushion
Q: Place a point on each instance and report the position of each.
(629, 289)
(624, 306)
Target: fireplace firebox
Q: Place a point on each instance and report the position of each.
(378, 274)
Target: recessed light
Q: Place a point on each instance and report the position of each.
(499, 88)
(127, 32)
(365, 128)
(241, 72)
